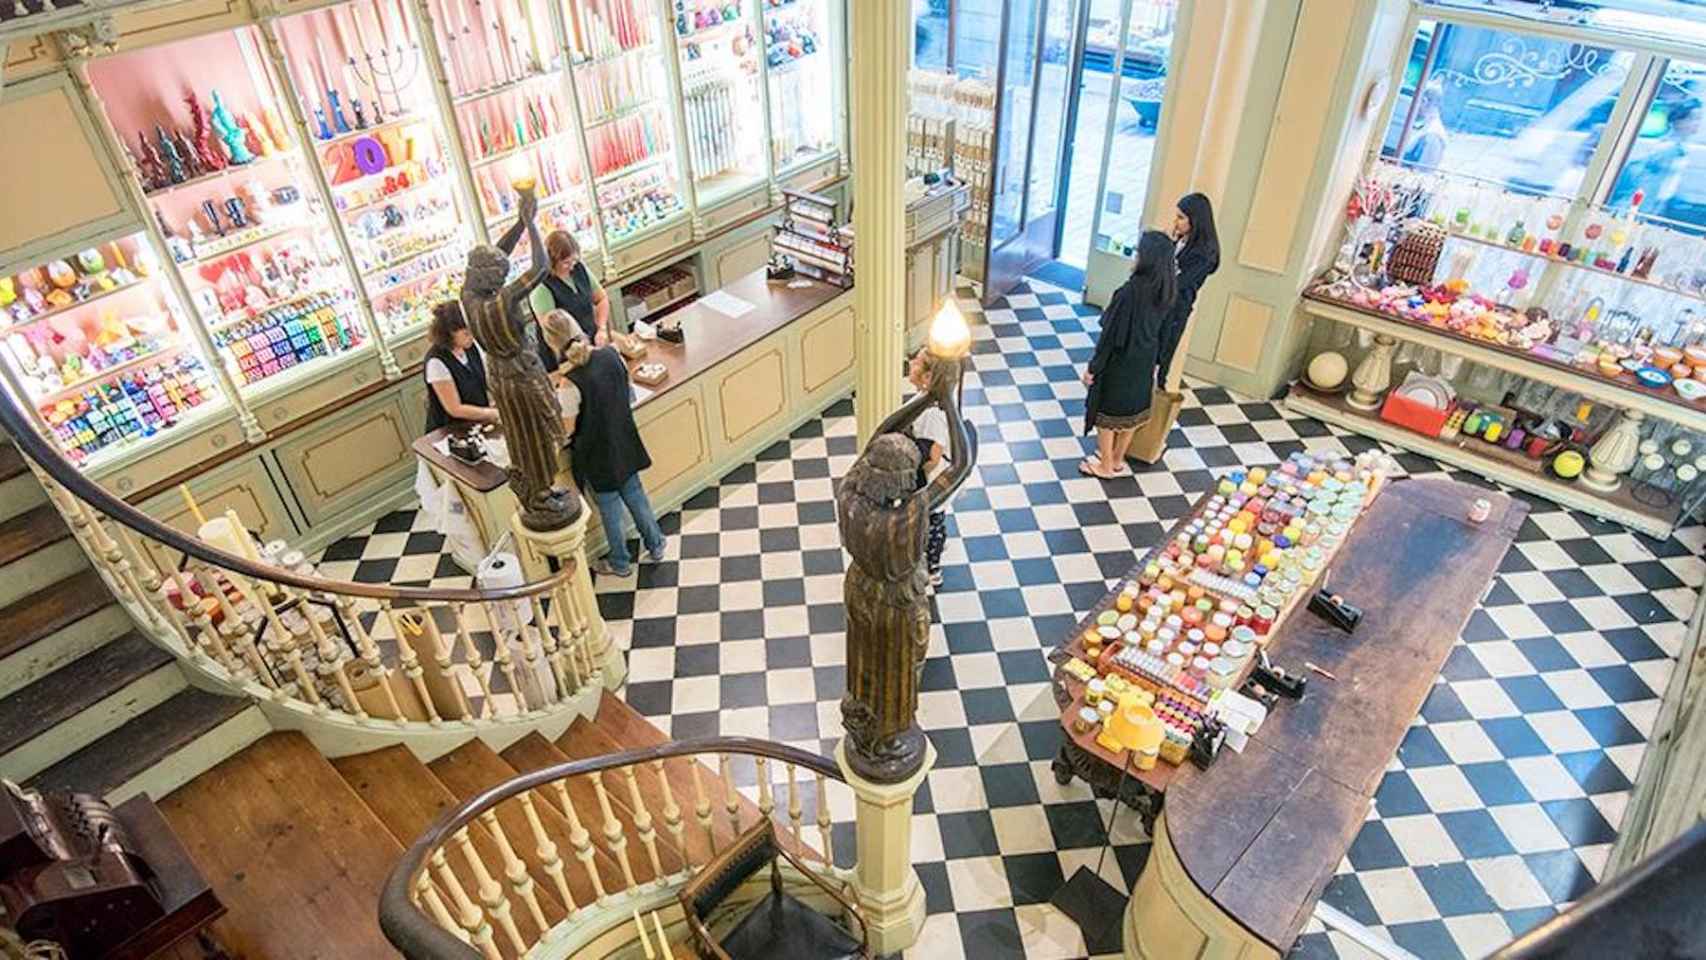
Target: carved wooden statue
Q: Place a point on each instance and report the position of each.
(884, 517)
(499, 317)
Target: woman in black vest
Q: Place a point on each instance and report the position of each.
(572, 288)
(605, 449)
(1199, 257)
(455, 372)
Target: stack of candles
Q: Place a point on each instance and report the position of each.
(615, 86)
(710, 107)
(606, 28)
(621, 144)
(486, 43)
(504, 123)
(556, 173)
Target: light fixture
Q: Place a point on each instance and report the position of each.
(520, 172)
(950, 337)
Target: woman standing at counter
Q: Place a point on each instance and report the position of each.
(570, 286)
(1199, 258)
(1121, 374)
(605, 449)
(455, 372)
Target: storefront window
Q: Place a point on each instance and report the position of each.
(930, 34)
(1519, 110)
(977, 37)
(1667, 161)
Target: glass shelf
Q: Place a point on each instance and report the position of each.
(622, 82)
(101, 350)
(399, 200)
(800, 52)
(719, 86)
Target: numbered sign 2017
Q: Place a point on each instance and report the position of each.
(367, 155)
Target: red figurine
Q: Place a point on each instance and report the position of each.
(212, 156)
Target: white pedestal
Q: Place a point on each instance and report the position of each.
(568, 547)
(890, 896)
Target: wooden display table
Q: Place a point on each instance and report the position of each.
(1246, 847)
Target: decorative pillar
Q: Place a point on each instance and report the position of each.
(1373, 375)
(890, 896)
(881, 51)
(567, 546)
(1614, 454)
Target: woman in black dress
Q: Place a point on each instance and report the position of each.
(1121, 375)
(1199, 258)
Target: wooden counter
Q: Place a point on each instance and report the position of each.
(735, 386)
(1244, 848)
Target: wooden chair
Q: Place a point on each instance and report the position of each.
(778, 926)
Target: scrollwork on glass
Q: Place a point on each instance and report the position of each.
(1514, 63)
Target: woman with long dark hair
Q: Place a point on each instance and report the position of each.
(1199, 257)
(455, 372)
(1121, 375)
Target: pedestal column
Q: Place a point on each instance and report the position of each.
(890, 897)
(568, 547)
(882, 42)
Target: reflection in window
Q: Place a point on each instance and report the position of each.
(1667, 161)
(977, 37)
(930, 34)
(1014, 128)
(1520, 110)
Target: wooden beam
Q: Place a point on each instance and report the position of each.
(1670, 789)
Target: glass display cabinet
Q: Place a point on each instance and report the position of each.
(622, 82)
(382, 147)
(803, 57)
(233, 195)
(97, 343)
(718, 45)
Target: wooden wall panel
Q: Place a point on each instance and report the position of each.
(827, 349)
(176, 21)
(1243, 334)
(743, 257)
(1318, 49)
(333, 467)
(57, 191)
(29, 57)
(751, 393)
(675, 437)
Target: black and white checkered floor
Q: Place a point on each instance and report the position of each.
(1499, 808)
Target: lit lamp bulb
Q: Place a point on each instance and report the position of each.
(520, 173)
(950, 337)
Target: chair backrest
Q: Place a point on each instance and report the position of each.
(755, 849)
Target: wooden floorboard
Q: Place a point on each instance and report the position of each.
(30, 531)
(28, 712)
(140, 742)
(55, 608)
(474, 767)
(11, 460)
(290, 849)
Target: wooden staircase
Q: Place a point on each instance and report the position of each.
(86, 702)
(297, 846)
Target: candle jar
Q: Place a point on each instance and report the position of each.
(1263, 621)
(1086, 720)
(1094, 691)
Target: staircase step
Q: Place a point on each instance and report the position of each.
(404, 794)
(44, 613)
(291, 851)
(473, 768)
(12, 461)
(29, 531)
(534, 752)
(70, 707)
(19, 493)
(112, 765)
(60, 647)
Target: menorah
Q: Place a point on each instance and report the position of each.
(385, 69)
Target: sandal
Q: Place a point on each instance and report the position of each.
(1084, 467)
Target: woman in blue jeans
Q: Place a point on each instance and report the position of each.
(605, 448)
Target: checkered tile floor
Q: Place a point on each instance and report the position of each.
(1498, 809)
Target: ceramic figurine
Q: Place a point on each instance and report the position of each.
(212, 157)
(211, 212)
(174, 164)
(229, 131)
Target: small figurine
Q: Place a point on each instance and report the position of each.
(225, 125)
(212, 157)
(234, 210)
(175, 171)
(194, 164)
(212, 213)
(360, 114)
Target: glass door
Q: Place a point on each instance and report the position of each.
(719, 49)
(801, 49)
(1088, 121)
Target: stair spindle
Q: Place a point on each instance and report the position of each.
(351, 616)
(546, 849)
(427, 893)
(643, 825)
(672, 820)
(232, 625)
(794, 820)
(581, 839)
(505, 662)
(731, 797)
(823, 824)
(283, 643)
(535, 652)
(566, 639)
(333, 661)
(515, 871)
(489, 891)
(551, 648)
(442, 652)
(199, 610)
(471, 656)
(468, 913)
(614, 837)
(766, 800)
(702, 805)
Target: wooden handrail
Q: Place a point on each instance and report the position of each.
(418, 937)
(72, 479)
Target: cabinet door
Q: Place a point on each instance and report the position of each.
(350, 462)
(242, 485)
(61, 192)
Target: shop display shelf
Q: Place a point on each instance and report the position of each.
(218, 175)
(78, 386)
(476, 96)
(720, 188)
(430, 274)
(1573, 265)
(1623, 392)
(370, 129)
(431, 183)
(73, 308)
(545, 203)
(253, 241)
(303, 373)
(401, 261)
(231, 320)
(613, 57)
(714, 31)
(646, 232)
(117, 456)
(1465, 454)
(621, 113)
(478, 162)
(638, 166)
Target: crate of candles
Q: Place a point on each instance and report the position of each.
(1188, 620)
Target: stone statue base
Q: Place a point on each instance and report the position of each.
(567, 546)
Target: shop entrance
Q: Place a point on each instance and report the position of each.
(1121, 78)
